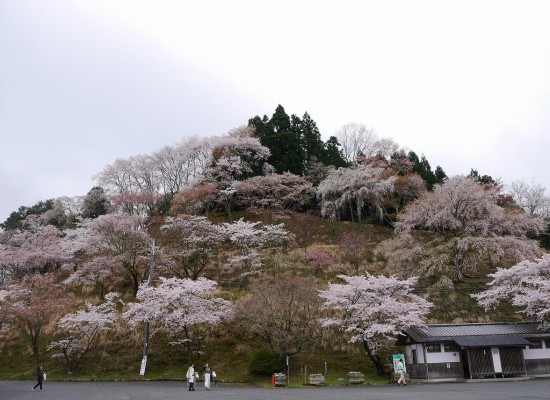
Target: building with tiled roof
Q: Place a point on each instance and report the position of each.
(472, 351)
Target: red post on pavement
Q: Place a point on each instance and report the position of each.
(273, 379)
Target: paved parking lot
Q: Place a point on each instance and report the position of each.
(22, 390)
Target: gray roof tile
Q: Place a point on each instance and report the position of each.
(448, 332)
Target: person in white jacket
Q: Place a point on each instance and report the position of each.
(191, 377)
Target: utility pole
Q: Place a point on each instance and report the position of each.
(146, 342)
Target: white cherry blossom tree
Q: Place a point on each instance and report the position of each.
(82, 329)
(525, 285)
(249, 241)
(359, 140)
(460, 227)
(531, 197)
(183, 308)
(166, 171)
(355, 192)
(236, 157)
(356, 139)
(374, 309)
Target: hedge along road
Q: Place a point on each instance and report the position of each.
(22, 390)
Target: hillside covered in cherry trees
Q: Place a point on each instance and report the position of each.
(264, 244)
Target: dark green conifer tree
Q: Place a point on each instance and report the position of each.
(285, 144)
(95, 203)
(295, 143)
(440, 175)
(422, 167)
(485, 179)
(332, 154)
(16, 218)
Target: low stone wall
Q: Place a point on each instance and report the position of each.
(279, 379)
(316, 379)
(356, 378)
(397, 375)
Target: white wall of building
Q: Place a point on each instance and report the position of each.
(419, 353)
(443, 357)
(439, 357)
(537, 354)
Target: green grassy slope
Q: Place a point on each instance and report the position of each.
(119, 355)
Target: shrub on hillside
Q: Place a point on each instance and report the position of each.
(264, 362)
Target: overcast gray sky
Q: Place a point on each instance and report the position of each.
(84, 82)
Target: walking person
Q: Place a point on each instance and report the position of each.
(207, 375)
(40, 376)
(190, 375)
(401, 370)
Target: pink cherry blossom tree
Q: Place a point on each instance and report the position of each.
(3, 310)
(275, 192)
(63, 213)
(191, 245)
(33, 248)
(373, 309)
(236, 158)
(164, 172)
(94, 274)
(117, 245)
(139, 183)
(525, 285)
(142, 203)
(33, 303)
(81, 330)
(319, 260)
(183, 308)
(196, 200)
(385, 147)
(460, 227)
(407, 188)
(401, 164)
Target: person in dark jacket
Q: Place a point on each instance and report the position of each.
(207, 374)
(39, 377)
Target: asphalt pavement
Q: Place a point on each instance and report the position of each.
(22, 390)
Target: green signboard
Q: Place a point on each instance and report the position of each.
(396, 358)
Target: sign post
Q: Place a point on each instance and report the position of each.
(143, 365)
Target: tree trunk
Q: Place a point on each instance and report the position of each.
(34, 336)
(35, 355)
(187, 345)
(375, 359)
